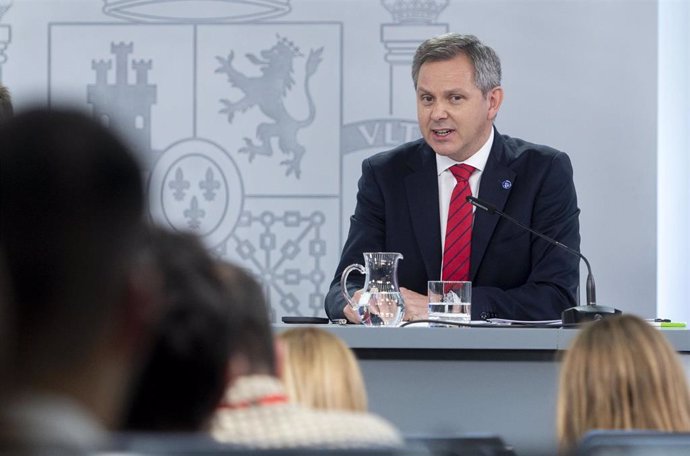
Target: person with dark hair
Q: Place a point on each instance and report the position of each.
(5, 324)
(251, 341)
(413, 199)
(6, 109)
(183, 380)
(83, 294)
(256, 411)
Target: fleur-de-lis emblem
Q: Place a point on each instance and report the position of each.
(194, 214)
(179, 184)
(210, 185)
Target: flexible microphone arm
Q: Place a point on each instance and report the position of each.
(491, 209)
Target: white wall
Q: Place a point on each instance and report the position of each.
(673, 280)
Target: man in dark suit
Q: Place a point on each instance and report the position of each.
(407, 198)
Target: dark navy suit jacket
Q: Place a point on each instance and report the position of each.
(514, 274)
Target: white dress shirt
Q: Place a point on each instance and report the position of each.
(446, 180)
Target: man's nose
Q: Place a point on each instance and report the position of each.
(439, 111)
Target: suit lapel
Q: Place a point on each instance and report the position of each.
(495, 178)
(421, 186)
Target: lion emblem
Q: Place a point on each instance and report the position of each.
(268, 92)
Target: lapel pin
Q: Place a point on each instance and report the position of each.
(506, 184)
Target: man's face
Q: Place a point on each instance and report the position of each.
(454, 116)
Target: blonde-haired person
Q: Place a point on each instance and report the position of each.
(320, 371)
(620, 373)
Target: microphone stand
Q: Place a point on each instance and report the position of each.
(572, 315)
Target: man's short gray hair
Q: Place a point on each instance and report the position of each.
(487, 66)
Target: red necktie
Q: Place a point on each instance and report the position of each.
(456, 253)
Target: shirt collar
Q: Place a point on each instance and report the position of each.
(477, 160)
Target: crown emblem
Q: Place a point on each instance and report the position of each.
(415, 11)
(190, 11)
(289, 45)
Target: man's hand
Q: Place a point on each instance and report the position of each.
(350, 313)
(416, 305)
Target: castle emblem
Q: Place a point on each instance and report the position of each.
(268, 92)
(123, 104)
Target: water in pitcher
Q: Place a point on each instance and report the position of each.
(380, 302)
(380, 308)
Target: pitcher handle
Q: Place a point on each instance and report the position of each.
(343, 282)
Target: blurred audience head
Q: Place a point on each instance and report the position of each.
(5, 322)
(71, 198)
(251, 341)
(620, 373)
(184, 378)
(6, 109)
(256, 411)
(320, 371)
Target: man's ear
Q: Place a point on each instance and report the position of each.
(142, 306)
(279, 350)
(495, 98)
(238, 366)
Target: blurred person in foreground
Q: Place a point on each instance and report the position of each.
(5, 325)
(320, 371)
(620, 373)
(183, 379)
(83, 292)
(256, 411)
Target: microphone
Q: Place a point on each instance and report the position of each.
(572, 315)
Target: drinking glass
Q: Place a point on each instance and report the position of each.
(450, 301)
